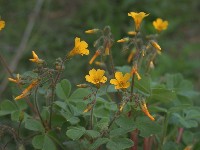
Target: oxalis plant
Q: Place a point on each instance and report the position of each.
(115, 108)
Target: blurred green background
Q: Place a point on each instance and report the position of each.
(60, 21)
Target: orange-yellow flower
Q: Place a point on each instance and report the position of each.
(138, 17)
(120, 81)
(26, 91)
(16, 80)
(98, 52)
(151, 65)
(134, 71)
(121, 107)
(130, 57)
(156, 46)
(132, 33)
(36, 59)
(189, 147)
(2, 24)
(96, 76)
(123, 40)
(92, 31)
(89, 107)
(146, 111)
(80, 48)
(160, 25)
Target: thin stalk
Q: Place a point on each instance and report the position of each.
(165, 125)
(92, 111)
(37, 108)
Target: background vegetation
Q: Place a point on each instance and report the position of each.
(60, 21)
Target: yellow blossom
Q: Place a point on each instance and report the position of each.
(92, 31)
(96, 77)
(98, 63)
(36, 58)
(134, 71)
(160, 25)
(120, 81)
(26, 91)
(138, 17)
(132, 33)
(98, 52)
(2, 24)
(82, 85)
(16, 80)
(79, 48)
(130, 57)
(107, 47)
(146, 111)
(156, 46)
(189, 147)
(151, 65)
(123, 40)
(89, 107)
(121, 107)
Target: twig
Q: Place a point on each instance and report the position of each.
(37, 108)
(21, 48)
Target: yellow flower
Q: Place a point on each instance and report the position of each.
(151, 65)
(134, 71)
(36, 58)
(92, 31)
(132, 33)
(98, 52)
(120, 81)
(79, 48)
(89, 107)
(123, 40)
(82, 85)
(189, 147)
(101, 64)
(160, 25)
(130, 57)
(96, 76)
(146, 111)
(121, 107)
(2, 24)
(138, 17)
(156, 46)
(16, 80)
(26, 91)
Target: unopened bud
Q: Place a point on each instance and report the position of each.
(91, 31)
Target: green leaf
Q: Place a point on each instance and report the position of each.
(33, 125)
(7, 107)
(101, 112)
(188, 137)
(170, 146)
(120, 131)
(161, 94)
(119, 144)
(98, 142)
(75, 133)
(63, 89)
(79, 94)
(147, 127)
(192, 114)
(92, 133)
(22, 105)
(125, 122)
(74, 120)
(144, 84)
(43, 142)
(38, 141)
(178, 119)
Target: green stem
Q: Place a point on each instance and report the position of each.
(92, 111)
(37, 108)
(165, 125)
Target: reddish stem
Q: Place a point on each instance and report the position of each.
(180, 133)
(134, 138)
(147, 143)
